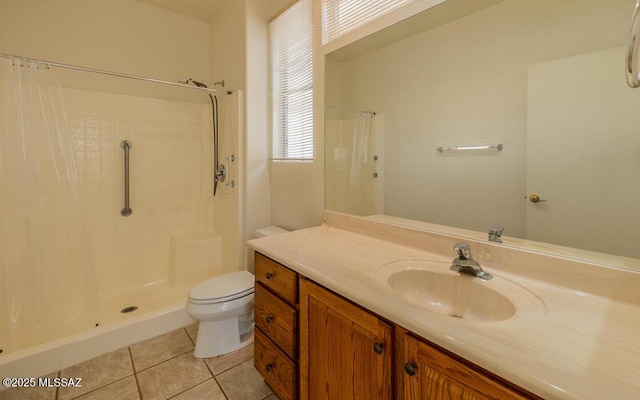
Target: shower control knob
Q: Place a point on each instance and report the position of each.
(269, 275)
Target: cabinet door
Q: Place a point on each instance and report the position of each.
(432, 374)
(346, 352)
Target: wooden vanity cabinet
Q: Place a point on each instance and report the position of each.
(345, 351)
(426, 372)
(276, 320)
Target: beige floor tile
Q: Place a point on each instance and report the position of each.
(207, 390)
(192, 330)
(97, 372)
(30, 393)
(219, 364)
(243, 383)
(160, 348)
(125, 389)
(172, 377)
(273, 397)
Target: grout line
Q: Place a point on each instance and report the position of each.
(186, 390)
(162, 362)
(221, 388)
(135, 374)
(189, 336)
(133, 364)
(216, 381)
(101, 387)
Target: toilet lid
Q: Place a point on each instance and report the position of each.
(224, 287)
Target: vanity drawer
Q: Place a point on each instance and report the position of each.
(275, 367)
(277, 278)
(277, 319)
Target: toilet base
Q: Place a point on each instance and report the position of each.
(211, 343)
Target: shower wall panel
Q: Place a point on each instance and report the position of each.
(169, 180)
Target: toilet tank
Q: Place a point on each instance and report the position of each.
(269, 231)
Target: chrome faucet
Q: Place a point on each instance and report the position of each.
(466, 264)
(495, 233)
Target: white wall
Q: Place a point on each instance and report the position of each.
(289, 195)
(239, 56)
(464, 83)
(118, 35)
(297, 197)
(227, 38)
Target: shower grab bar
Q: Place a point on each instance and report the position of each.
(631, 61)
(463, 148)
(126, 146)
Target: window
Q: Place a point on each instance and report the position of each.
(342, 16)
(291, 83)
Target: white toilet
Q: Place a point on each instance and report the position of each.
(223, 305)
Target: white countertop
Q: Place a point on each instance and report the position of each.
(577, 346)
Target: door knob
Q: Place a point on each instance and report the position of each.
(534, 198)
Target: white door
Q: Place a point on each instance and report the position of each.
(583, 154)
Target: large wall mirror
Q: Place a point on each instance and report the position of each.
(521, 98)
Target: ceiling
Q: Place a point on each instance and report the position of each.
(203, 10)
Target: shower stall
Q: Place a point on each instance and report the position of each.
(75, 268)
(354, 161)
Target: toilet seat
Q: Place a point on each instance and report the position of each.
(222, 288)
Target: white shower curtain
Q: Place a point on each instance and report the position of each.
(360, 173)
(47, 284)
(350, 145)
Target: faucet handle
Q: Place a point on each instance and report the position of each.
(495, 233)
(463, 250)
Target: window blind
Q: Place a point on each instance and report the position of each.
(342, 16)
(291, 83)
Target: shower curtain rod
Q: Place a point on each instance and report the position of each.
(118, 74)
(352, 110)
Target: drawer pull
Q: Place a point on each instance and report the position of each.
(410, 368)
(378, 348)
(269, 367)
(269, 318)
(269, 275)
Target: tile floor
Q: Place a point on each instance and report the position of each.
(158, 369)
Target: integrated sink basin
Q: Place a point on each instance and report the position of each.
(431, 285)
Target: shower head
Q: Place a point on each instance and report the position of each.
(198, 84)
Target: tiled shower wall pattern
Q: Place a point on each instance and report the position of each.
(169, 180)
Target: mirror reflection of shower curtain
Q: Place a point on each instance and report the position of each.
(47, 284)
(360, 178)
(352, 142)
